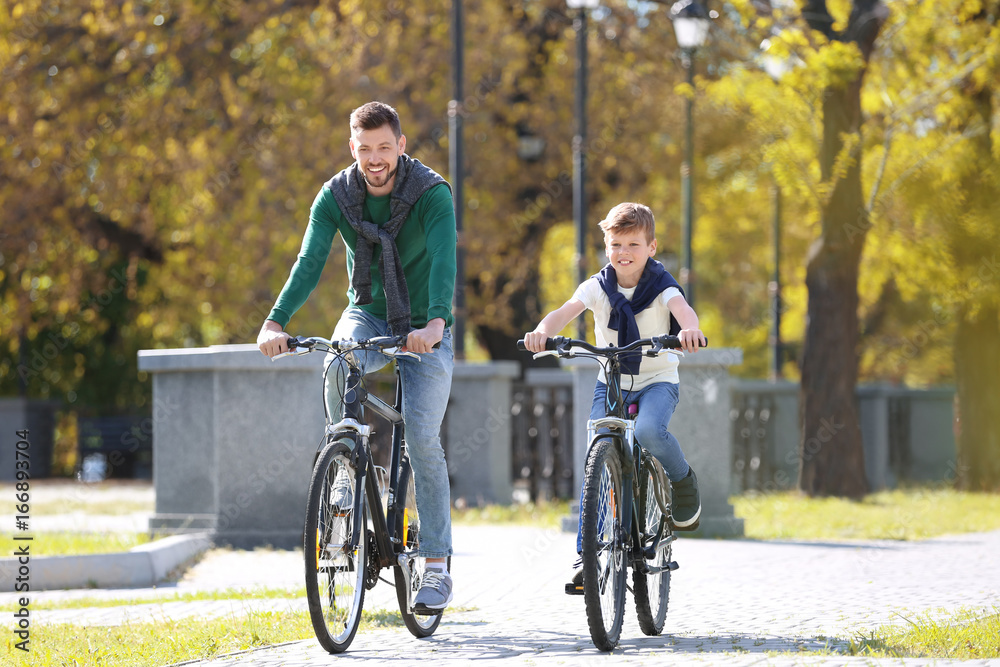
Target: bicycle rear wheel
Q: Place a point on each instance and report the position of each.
(603, 550)
(335, 571)
(652, 590)
(408, 532)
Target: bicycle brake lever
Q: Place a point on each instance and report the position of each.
(396, 352)
(291, 353)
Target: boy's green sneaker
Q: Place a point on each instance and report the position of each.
(687, 502)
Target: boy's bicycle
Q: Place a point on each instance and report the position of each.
(350, 534)
(626, 505)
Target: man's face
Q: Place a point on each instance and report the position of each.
(377, 152)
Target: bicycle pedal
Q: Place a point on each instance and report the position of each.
(573, 589)
(421, 610)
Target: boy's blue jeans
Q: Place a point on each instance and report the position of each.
(657, 403)
(426, 389)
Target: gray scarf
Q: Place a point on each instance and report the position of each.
(413, 179)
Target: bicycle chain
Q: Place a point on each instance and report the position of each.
(372, 575)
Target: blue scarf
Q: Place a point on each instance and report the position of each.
(653, 281)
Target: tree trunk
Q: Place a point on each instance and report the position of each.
(831, 451)
(976, 349)
(977, 374)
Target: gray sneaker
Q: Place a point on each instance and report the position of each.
(342, 493)
(435, 593)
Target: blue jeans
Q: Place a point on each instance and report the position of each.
(426, 390)
(657, 403)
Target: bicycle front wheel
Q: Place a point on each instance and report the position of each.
(408, 532)
(652, 589)
(603, 549)
(335, 561)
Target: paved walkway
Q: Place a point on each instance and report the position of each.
(730, 602)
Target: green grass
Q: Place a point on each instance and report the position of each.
(194, 596)
(168, 642)
(902, 514)
(541, 515)
(73, 544)
(965, 635)
(102, 507)
(49, 497)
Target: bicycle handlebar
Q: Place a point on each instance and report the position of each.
(380, 343)
(562, 344)
(390, 345)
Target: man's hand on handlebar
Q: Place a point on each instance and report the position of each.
(423, 340)
(272, 340)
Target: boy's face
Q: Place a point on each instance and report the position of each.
(628, 252)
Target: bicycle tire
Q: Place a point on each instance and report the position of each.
(407, 530)
(335, 578)
(603, 550)
(651, 590)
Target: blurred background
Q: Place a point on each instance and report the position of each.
(158, 160)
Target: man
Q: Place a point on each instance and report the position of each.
(397, 220)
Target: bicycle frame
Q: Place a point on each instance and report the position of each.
(356, 398)
(621, 431)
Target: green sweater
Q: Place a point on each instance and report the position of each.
(426, 245)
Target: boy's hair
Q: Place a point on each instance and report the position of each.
(374, 115)
(629, 216)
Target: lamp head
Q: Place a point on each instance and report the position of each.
(691, 21)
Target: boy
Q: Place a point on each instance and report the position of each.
(635, 297)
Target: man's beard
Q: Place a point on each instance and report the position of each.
(388, 176)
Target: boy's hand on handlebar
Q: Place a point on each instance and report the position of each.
(692, 339)
(272, 340)
(535, 341)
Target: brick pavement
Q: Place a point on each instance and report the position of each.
(730, 601)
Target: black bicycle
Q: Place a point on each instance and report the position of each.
(626, 505)
(351, 533)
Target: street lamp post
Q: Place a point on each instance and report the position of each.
(776, 67)
(776, 286)
(690, 20)
(579, 151)
(455, 169)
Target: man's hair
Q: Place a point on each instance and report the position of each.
(629, 216)
(374, 115)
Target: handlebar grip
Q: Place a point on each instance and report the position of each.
(674, 343)
(551, 343)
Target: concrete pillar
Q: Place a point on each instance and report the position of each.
(38, 418)
(234, 435)
(478, 432)
(702, 425)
